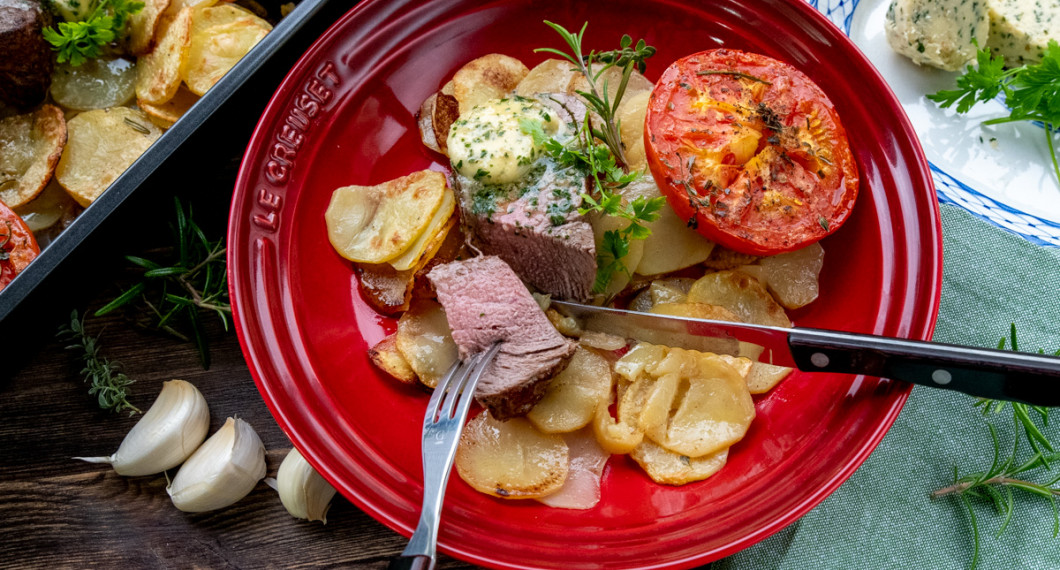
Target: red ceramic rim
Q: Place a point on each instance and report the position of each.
(346, 115)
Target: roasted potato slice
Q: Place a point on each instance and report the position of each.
(95, 84)
(722, 258)
(388, 358)
(375, 224)
(670, 468)
(511, 459)
(602, 224)
(158, 73)
(715, 412)
(672, 245)
(611, 79)
(615, 437)
(431, 237)
(142, 26)
(549, 76)
(101, 145)
(581, 490)
(175, 6)
(30, 147)
(572, 397)
(741, 294)
(491, 76)
(630, 117)
(167, 113)
(424, 341)
(436, 116)
(791, 277)
(53, 209)
(670, 290)
(763, 377)
(216, 47)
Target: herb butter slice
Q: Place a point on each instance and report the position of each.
(939, 33)
(1020, 29)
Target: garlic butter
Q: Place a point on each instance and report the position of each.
(493, 143)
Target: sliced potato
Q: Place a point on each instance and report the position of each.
(216, 47)
(581, 490)
(631, 127)
(672, 245)
(424, 341)
(602, 224)
(491, 76)
(388, 358)
(142, 26)
(175, 6)
(714, 413)
(741, 294)
(572, 397)
(670, 290)
(30, 147)
(511, 459)
(549, 76)
(791, 277)
(95, 84)
(722, 258)
(613, 436)
(763, 377)
(158, 72)
(669, 468)
(439, 224)
(167, 113)
(610, 80)
(634, 363)
(695, 311)
(101, 145)
(374, 224)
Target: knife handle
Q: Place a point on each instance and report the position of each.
(986, 373)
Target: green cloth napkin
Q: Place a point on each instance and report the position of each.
(882, 516)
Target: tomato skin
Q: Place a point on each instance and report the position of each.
(17, 244)
(749, 151)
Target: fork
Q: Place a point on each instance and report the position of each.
(442, 425)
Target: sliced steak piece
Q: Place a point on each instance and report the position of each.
(26, 58)
(534, 224)
(485, 302)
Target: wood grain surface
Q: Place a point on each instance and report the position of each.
(58, 512)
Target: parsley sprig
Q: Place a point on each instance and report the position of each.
(1009, 472)
(1032, 92)
(176, 290)
(77, 42)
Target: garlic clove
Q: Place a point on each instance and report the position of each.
(167, 434)
(303, 492)
(222, 471)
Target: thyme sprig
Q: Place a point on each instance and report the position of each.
(108, 383)
(176, 290)
(1011, 472)
(628, 57)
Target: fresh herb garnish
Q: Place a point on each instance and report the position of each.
(108, 383)
(78, 42)
(175, 292)
(626, 57)
(605, 163)
(1032, 92)
(997, 484)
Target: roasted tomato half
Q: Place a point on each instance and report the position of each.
(18, 247)
(749, 151)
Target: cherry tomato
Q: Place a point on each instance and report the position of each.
(749, 151)
(18, 247)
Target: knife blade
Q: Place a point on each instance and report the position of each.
(986, 373)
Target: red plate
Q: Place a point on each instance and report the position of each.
(346, 115)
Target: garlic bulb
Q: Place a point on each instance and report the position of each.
(303, 492)
(222, 471)
(167, 434)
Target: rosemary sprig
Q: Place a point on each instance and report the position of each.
(175, 292)
(1012, 473)
(627, 57)
(108, 383)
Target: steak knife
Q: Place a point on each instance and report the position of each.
(986, 373)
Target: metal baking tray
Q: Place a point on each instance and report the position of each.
(207, 141)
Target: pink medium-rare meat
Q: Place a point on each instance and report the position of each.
(486, 302)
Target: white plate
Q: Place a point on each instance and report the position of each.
(1001, 173)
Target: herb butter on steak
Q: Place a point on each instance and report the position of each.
(485, 302)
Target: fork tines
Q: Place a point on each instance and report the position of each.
(454, 392)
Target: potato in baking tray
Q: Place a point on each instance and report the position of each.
(158, 73)
(220, 36)
(167, 113)
(30, 147)
(142, 26)
(100, 146)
